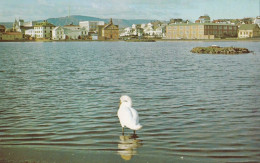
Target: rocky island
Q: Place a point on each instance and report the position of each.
(219, 50)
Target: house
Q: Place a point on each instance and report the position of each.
(109, 31)
(11, 36)
(58, 33)
(126, 32)
(203, 19)
(200, 31)
(257, 21)
(30, 32)
(91, 26)
(160, 31)
(2, 28)
(248, 31)
(43, 30)
(75, 34)
(148, 29)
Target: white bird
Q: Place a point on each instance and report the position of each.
(128, 116)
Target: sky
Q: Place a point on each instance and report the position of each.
(128, 9)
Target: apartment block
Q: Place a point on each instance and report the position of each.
(200, 31)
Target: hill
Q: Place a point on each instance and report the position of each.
(75, 19)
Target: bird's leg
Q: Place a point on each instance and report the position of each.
(122, 130)
(134, 132)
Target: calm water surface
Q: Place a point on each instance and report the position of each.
(65, 95)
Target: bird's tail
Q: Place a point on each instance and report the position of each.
(137, 127)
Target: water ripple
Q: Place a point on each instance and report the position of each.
(66, 95)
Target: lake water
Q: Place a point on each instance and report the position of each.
(64, 96)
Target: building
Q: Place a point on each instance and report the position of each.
(75, 34)
(248, 31)
(257, 21)
(91, 26)
(30, 32)
(203, 19)
(149, 30)
(29, 24)
(108, 31)
(20, 26)
(72, 27)
(160, 31)
(2, 28)
(58, 33)
(43, 30)
(11, 36)
(200, 31)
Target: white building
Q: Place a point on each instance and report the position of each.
(160, 31)
(29, 24)
(44, 30)
(58, 33)
(75, 34)
(127, 32)
(257, 21)
(91, 26)
(30, 32)
(148, 29)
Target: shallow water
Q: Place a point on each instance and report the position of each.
(65, 95)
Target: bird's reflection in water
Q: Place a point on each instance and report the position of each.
(127, 146)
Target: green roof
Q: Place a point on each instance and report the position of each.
(248, 27)
(45, 24)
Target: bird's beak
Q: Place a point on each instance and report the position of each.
(120, 103)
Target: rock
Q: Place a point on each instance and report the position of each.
(219, 50)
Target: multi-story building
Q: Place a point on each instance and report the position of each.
(91, 26)
(248, 31)
(200, 31)
(43, 30)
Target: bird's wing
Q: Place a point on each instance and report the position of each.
(135, 116)
(125, 116)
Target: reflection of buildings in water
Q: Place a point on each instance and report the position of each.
(127, 146)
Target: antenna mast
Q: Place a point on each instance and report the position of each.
(69, 12)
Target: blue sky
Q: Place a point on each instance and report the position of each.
(128, 9)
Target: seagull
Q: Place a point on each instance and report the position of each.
(127, 115)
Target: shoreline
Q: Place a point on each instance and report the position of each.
(159, 40)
